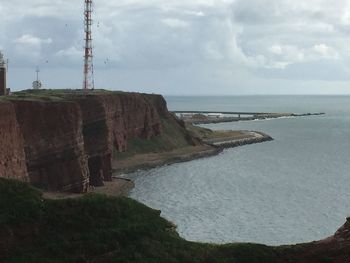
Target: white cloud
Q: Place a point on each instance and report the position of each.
(323, 49)
(271, 36)
(194, 13)
(28, 39)
(72, 53)
(326, 51)
(174, 23)
(276, 49)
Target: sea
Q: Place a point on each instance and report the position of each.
(293, 189)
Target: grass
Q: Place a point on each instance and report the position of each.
(204, 133)
(172, 137)
(53, 94)
(97, 228)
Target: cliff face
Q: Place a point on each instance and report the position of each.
(53, 144)
(67, 144)
(109, 121)
(12, 157)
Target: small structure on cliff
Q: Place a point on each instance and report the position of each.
(37, 84)
(3, 70)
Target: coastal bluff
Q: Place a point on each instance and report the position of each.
(65, 140)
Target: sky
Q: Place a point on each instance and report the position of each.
(182, 47)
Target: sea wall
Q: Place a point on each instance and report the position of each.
(67, 143)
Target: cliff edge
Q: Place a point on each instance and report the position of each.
(64, 140)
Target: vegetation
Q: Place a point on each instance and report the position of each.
(172, 137)
(52, 94)
(97, 228)
(206, 134)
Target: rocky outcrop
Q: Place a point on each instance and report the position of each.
(66, 143)
(12, 157)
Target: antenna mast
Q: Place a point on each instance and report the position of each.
(37, 83)
(88, 82)
(37, 73)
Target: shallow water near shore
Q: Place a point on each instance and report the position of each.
(291, 190)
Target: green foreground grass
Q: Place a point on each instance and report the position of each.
(97, 228)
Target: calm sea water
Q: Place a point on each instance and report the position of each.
(291, 190)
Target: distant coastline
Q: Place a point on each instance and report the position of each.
(212, 117)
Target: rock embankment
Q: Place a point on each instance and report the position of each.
(65, 141)
(250, 137)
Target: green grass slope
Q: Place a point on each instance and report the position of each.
(172, 137)
(97, 228)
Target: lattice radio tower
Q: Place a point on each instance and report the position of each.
(89, 82)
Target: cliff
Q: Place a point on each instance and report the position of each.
(66, 140)
(53, 144)
(12, 157)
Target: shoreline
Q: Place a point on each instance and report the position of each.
(211, 148)
(153, 160)
(121, 186)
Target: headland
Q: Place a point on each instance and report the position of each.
(75, 141)
(71, 141)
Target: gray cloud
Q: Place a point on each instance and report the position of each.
(183, 47)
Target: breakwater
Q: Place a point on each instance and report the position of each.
(251, 138)
(209, 117)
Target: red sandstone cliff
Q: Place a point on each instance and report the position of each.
(66, 144)
(53, 144)
(12, 157)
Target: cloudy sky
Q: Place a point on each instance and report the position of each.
(182, 47)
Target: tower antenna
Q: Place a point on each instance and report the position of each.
(37, 83)
(37, 73)
(89, 82)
